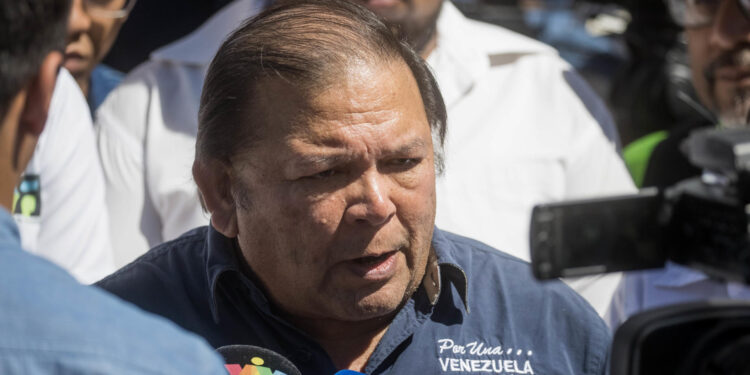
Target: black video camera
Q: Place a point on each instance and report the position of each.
(701, 222)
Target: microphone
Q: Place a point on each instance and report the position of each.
(248, 359)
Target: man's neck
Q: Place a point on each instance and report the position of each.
(349, 344)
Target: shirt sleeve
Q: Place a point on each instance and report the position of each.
(73, 227)
(120, 128)
(594, 166)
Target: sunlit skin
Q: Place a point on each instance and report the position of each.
(720, 63)
(90, 36)
(336, 203)
(415, 19)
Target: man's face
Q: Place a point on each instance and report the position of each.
(336, 201)
(415, 18)
(720, 61)
(90, 36)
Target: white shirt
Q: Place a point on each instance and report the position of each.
(518, 135)
(146, 130)
(71, 226)
(671, 285)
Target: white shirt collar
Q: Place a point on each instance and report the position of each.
(200, 46)
(465, 50)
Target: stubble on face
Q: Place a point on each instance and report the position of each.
(728, 78)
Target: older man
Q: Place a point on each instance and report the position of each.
(524, 129)
(317, 151)
(718, 39)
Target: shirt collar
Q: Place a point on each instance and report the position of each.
(457, 63)
(200, 46)
(447, 269)
(467, 49)
(221, 257)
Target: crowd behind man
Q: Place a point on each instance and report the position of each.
(317, 151)
(326, 186)
(718, 41)
(524, 129)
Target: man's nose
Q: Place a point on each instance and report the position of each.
(371, 200)
(731, 26)
(80, 20)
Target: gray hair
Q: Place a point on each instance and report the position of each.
(305, 43)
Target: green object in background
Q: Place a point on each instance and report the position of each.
(27, 196)
(638, 153)
(28, 205)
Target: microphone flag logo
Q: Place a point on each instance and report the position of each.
(255, 368)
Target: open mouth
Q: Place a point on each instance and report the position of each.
(375, 267)
(372, 261)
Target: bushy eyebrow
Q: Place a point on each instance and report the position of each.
(336, 158)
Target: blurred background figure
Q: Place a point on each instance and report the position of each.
(92, 29)
(59, 206)
(654, 91)
(718, 45)
(146, 134)
(155, 23)
(587, 35)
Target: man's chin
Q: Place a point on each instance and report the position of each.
(378, 304)
(733, 102)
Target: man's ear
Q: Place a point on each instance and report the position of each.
(40, 90)
(214, 181)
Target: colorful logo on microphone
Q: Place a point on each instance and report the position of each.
(256, 368)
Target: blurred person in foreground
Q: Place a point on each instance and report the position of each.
(92, 30)
(318, 144)
(50, 324)
(60, 205)
(525, 129)
(718, 41)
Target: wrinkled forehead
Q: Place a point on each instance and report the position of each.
(364, 93)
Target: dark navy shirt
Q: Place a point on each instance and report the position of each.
(477, 311)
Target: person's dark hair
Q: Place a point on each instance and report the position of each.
(29, 30)
(306, 43)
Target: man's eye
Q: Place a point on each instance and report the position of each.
(405, 162)
(325, 174)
